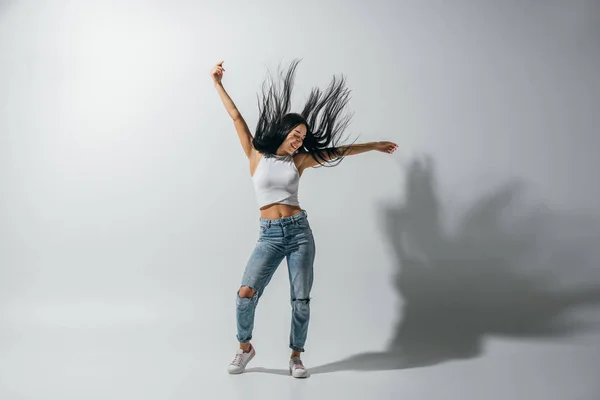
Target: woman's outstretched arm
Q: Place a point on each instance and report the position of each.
(384, 147)
(353, 149)
(240, 124)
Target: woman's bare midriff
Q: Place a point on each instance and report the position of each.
(276, 211)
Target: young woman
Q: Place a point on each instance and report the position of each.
(284, 145)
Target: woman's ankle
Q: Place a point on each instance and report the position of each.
(246, 346)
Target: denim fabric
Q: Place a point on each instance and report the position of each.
(290, 238)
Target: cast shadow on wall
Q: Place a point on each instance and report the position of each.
(497, 274)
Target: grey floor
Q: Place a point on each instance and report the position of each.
(170, 359)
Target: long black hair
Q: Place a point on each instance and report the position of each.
(323, 114)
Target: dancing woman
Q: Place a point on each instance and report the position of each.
(284, 145)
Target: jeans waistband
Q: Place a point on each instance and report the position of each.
(292, 219)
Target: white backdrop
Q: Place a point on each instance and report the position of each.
(127, 212)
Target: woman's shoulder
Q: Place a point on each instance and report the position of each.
(300, 155)
(300, 160)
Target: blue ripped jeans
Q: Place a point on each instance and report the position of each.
(290, 238)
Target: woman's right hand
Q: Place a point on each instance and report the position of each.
(217, 73)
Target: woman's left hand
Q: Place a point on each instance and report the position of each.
(386, 147)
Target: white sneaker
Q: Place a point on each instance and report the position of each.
(238, 365)
(297, 368)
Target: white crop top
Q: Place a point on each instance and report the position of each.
(276, 180)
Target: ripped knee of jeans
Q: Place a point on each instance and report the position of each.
(300, 304)
(246, 292)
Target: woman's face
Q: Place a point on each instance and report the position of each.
(294, 140)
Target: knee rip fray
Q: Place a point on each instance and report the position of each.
(247, 292)
(306, 301)
(300, 303)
